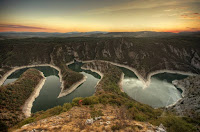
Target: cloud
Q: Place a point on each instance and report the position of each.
(192, 28)
(168, 10)
(190, 16)
(19, 26)
(143, 4)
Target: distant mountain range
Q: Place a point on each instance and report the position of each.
(95, 34)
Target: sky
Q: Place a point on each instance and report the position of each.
(99, 15)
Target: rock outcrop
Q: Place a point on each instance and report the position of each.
(189, 104)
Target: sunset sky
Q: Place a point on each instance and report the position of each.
(99, 15)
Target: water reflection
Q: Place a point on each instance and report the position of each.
(51, 89)
(161, 92)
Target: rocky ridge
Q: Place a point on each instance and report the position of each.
(113, 118)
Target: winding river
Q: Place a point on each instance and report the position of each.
(51, 89)
(161, 92)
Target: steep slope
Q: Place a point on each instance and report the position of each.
(79, 119)
(189, 104)
(146, 55)
(13, 97)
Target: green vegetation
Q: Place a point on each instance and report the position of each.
(176, 124)
(17, 52)
(85, 101)
(61, 51)
(108, 92)
(70, 77)
(44, 114)
(96, 113)
(14, 95)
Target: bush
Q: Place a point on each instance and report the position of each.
(95, 113)
(115, 102)
(26, 121)
(129, 105)
(54, 111)
(66, 107)
(75, 101)
(175, 124)
(140, 117)
(90, 100)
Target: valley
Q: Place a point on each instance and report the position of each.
(108, 70)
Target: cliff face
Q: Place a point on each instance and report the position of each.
(144, 54)
(189, 104)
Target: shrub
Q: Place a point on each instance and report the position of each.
(95, 113)
(26, 121)
(55, 110)
(140, 117)
(91, 100)
(75, 101)
(115, 101)
(129, 105)
(174, 124)
(66, 107)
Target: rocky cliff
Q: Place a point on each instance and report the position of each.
(189, 105)
(144, 54)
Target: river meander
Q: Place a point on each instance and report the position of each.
(161, 92)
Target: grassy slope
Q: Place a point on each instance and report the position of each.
(108, 93)
(14, 95)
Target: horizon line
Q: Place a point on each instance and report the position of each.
(96, 31)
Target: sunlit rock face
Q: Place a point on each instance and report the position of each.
(159, 93)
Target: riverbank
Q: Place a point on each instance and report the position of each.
(189, 104)
(29, 102)
(121, 82)
(175, 83)
(72, 88)
(120, 65)
(75, 85)
(17, 97)
(147, 81)
(101, 74)
(4, 77)
(167, 71)
(104, 68)
(98, 72)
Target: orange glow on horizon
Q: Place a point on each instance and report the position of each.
(109, 16)
(4, 29)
